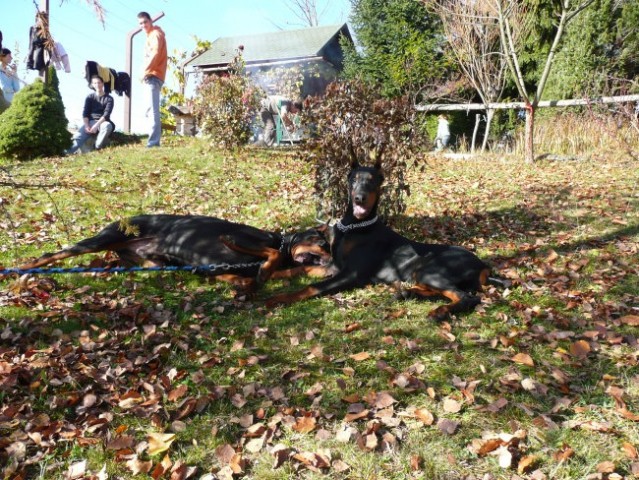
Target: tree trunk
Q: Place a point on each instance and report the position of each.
(529, 153)
(489, 118)
(477, 120)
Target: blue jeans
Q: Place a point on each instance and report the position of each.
(153, 85)
(82, 136)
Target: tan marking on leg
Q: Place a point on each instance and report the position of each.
(483, 276)
(237, 280)
(310, 270)
(422, 290)
(288, 298)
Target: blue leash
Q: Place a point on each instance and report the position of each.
(169, 268)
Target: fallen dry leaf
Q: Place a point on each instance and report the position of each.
(340, 466)
(313, 461)
(580, 349)
(383, 400)
(416, 462)
(224, 453)
(526, 463)
(135, 465)
(159, 442)
(630, 450)
(447, 426)
(360, 357)
(606, 467)
(489, 446)
(305, 424)
(504, 456)
(281, 454)
(451, 405)
(77, 470)
(497, 405)
(631, 320)
(177, 393)
(524, 359)
(564, 454)
(424, 416)
(118, 443)
(628, 415)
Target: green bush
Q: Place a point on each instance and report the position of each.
(225, 106)
(35, 125)
(354, 123)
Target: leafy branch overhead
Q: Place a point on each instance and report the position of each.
(354, 123)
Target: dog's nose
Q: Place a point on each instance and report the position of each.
(359, 198)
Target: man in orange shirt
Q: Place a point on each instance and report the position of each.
(155, 61)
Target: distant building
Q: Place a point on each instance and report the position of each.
(317, 50)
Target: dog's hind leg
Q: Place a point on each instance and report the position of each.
(49, 258)
(460, 301)
(108, 239)
(273, 257)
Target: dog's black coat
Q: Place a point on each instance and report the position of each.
(197, 240)
(366, 251)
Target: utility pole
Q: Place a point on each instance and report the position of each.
(129, 70)
(44, 8)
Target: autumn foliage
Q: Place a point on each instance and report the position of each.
(226, 106)
(351, 123)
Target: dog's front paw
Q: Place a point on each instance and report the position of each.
(275, 301)
(440, 314)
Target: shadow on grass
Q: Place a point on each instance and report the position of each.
(526, 226)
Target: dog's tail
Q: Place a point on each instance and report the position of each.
(499, 282)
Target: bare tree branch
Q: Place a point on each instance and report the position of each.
(473, 34)
(305, 10)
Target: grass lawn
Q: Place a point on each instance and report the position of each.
(168, 375)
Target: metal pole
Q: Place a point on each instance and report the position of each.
(44, 8)
(129, 70)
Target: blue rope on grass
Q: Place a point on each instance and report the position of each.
(168, 268)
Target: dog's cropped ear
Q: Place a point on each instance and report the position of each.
(322, 228)
(354, 164)
(378, 165)
(327, 231)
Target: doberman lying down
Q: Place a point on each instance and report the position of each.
(159, 240)
(365, 251)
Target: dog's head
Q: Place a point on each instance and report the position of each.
(364, 186)
(311, 247)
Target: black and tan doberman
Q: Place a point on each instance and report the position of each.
(366, 251)
(185, 240)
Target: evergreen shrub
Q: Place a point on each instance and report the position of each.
(35, 125)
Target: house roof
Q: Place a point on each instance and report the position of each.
(273, 46)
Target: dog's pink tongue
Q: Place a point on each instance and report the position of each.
(359, 211)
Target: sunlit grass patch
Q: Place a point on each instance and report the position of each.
(86, 359)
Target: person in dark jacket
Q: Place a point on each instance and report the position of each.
(96, 116)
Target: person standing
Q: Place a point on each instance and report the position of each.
(276, 105)
(96, 116)
(443, 133)
(8, 76)
(154, 73)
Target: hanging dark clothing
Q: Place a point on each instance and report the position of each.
(123, 84)
(38, 57)
(118, 82)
